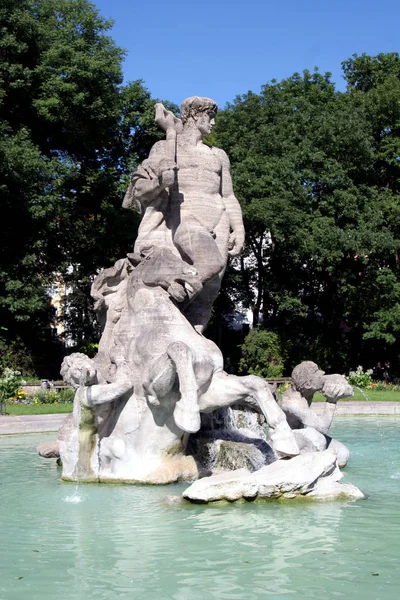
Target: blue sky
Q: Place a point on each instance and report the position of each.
(221, 49)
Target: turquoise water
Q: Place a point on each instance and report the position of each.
(110, 541)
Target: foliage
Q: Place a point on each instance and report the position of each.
(10, 383)
(58, 85)
(14, 355)
(45, 397)
(64, 396)
(70, 133)
(317, 173)
(261, 354)
(282, 388)
(383, 386)
(360, 378)
(52, 397)
(88, 348)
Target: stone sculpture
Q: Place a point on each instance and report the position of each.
(140, 398)
(310, 430)
(231, 438)
(184, 191)
(313, 475)
(155, 372)
(162, 374)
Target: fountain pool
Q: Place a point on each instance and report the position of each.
(103, 542)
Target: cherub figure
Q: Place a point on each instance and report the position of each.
(311, 430)
(91, 416)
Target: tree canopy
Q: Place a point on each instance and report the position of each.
(70, 134)
(317, 173)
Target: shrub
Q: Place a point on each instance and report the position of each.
(282, 388)
(15, 355)
(382, 386)
(10, 383)
(66, 396)
(46, 397)
(360, 378)
(261, 354)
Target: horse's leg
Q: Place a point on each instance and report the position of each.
(229, 389)
(187, 412)
(160, 377)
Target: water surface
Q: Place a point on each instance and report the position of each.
(113, 541)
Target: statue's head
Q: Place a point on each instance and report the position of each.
(307, 378)
(78, 369)
(201, 111)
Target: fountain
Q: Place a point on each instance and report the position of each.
(144, 396)
(127, 541)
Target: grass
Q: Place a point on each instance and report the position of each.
(372, 395)
(60, 408)
(38, 409)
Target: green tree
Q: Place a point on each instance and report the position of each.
(261, 354)
(70, 134)
(316, 172)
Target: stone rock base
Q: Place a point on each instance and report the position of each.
(311, 475)
(214, 455)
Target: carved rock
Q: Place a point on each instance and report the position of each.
(310, 475)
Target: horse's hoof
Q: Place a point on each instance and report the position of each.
(186, 420)
(284, 444)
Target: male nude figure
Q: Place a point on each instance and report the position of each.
(199, 215)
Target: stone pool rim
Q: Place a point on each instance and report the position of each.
(16, 425)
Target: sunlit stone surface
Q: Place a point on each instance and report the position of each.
(310, 475)
(141, 398)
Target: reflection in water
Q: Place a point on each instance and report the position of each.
(272, 539)
(126, 542)
(180, 548)
(261, 541)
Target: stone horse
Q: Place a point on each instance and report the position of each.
(176, 373)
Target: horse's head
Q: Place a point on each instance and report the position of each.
(161, 267)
